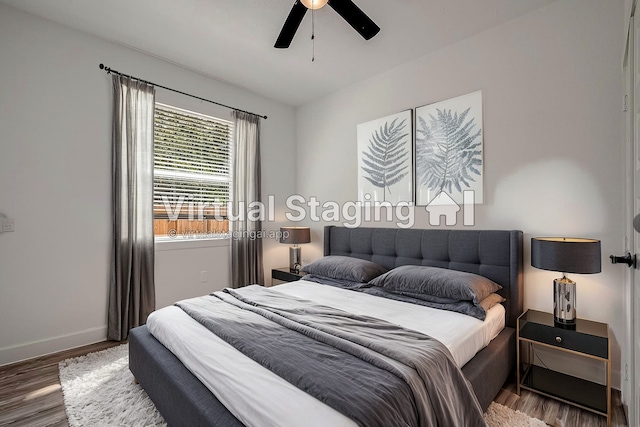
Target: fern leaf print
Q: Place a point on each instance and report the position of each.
(385, 156)
(449, 148)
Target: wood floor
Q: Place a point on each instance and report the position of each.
(558, 414)
(30, 395)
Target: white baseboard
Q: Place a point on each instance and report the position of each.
(25, 351)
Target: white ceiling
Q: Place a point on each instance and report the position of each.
(232, 40)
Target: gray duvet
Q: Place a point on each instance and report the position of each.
(374, 372)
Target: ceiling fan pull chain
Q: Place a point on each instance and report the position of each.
(313, 34)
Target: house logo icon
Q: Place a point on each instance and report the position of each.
(444, 205)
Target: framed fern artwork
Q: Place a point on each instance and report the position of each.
(449, 151)
(385, 159)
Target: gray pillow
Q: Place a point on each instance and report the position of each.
(437, 282)
(345, 268)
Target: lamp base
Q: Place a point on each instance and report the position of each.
(295, 259)
(567, 326)
(564, 303)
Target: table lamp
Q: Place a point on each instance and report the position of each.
(565, 255)
(295, 236)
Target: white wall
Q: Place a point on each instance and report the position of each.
(553, 165)
(55, 156)
(179, 266)
(551, 82)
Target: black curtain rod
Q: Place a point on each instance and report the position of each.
(112, 71)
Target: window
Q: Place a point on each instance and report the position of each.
(192, 174)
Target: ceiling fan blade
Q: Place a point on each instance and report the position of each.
(355, 17)
(291, 25)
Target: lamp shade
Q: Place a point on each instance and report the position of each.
(566, 254)
(295, 235)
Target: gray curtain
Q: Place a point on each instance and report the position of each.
(246, 243)
(131, 287)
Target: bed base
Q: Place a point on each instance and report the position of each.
(179, 396)
(184, 401)
(497, 254)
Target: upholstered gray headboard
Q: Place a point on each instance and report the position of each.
(495, 254)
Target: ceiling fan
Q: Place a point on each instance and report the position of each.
(345, 8)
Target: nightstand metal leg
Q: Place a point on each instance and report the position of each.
(608, 362)
(518, 364)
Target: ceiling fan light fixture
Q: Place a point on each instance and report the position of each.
(314, 4)
(345, 8)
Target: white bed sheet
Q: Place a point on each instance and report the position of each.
(258, 397)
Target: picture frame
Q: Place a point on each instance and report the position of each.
(449, 151)
(385, 159)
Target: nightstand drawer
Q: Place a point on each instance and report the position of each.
(565, 338)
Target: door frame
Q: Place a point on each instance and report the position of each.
(631, 69)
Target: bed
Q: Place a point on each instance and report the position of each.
(184, 400)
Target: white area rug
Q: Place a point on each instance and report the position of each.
(500, 416)
(99, 391)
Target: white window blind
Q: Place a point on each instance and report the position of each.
(191, 162)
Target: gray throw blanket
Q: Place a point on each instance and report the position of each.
(372, 371)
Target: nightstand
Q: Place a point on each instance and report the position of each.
(282, 275)
(589, 340)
